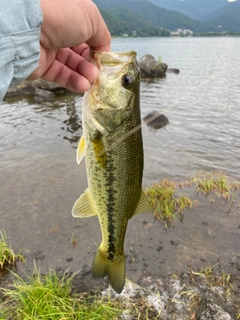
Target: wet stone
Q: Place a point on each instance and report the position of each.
(174, 243)
(69, 259)
(173, 70)
(151, 68)
(43, 95)
(156, 120)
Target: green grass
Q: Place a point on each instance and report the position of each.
(165, 202)
(168, 203)
(7, 255)
(216, 182)
(50, 297)
(74, 240)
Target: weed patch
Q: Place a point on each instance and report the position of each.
(168, 203)
(7, 256)
(165, 202)
(50, 297)
(216, 182)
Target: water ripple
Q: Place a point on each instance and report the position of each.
(201, 104)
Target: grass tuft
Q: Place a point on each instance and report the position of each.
(216, 182)
(7, 255)
(74, 240)
(49, 297)
(166, 204)
(222, 279)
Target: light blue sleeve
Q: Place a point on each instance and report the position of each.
(20, 22)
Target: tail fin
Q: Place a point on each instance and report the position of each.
(115, 270)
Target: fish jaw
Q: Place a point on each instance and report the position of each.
(108, 103)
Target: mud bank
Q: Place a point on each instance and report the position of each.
(189, 271)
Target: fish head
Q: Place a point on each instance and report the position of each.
(114, 96)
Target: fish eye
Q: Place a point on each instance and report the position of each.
(128, 81)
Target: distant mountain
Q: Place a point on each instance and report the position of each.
(122, 21)
(228, 7)
(156, 16)
(227, 18)
(143, 18)
(195, 9)
(115, 25)
(131, 20)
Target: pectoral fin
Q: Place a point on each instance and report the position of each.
(83, 207)
(143, 205)
(80, 150)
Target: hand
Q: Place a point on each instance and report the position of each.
(69, 30)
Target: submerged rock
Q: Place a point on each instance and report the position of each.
(156, 120)
(173, 70)
(43, 95)
(29, 87)
(151, 68)
(36, 89)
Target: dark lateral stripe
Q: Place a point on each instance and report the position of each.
(110, 205)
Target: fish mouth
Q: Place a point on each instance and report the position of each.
(114, 58)
(112, 66)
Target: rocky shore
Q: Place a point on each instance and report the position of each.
(42, 90)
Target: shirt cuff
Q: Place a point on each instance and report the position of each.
(19, 44)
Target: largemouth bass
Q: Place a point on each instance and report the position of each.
(112, 145)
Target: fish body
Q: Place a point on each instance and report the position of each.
(112, 145)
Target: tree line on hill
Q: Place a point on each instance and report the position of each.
(143, 18)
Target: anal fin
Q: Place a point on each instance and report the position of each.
(143, 205)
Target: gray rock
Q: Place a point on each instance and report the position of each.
(30, 87)
(151, 68)
(156, 120)
(43, 95)
(173, 70)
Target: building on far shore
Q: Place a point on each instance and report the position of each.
(181, 32)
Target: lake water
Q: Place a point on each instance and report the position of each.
(202, 104)
(40, 179)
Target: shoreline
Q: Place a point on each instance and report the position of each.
(186, 270)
